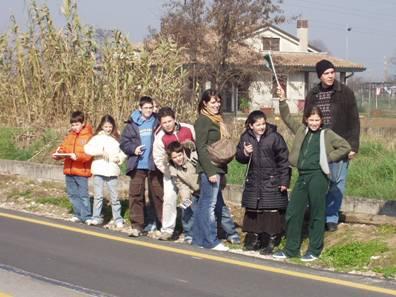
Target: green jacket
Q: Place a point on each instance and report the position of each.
(332, 146)
(206, 133)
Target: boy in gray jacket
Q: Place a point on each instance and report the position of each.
(183, 161)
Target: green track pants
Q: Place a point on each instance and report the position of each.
(310, 189)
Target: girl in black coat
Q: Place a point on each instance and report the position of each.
(268, 176)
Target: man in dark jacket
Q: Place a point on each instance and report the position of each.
(338, 105)
(137, 143)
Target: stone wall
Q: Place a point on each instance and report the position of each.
(232, 193)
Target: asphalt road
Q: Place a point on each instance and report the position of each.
(94, 260)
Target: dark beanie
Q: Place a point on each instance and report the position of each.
(322, 66)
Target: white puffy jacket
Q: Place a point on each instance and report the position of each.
(99, 144)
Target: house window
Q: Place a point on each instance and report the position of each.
(270, 44)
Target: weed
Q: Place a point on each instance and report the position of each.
(387, 272)
(62, 202)
(16, 194)
(353, 255)
(236, 172)
(126, 216)
(387, 229)
(372, 174)
(11, 148)
(233, 246)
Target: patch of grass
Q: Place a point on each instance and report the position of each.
(236, 173)
(387, 229)
(352, 255)
(10, 150)
(233, 246)
(15, 194)
(126, 216)
(57, 201)
(387, 272)
(373, 173)
(123, 167)
(53, 185)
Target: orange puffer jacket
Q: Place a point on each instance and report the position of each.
(74, 143)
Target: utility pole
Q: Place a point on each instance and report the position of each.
(348, 29)
(369, 101)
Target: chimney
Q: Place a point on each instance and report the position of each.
(302, 34)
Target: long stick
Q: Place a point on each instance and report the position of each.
(273, 68)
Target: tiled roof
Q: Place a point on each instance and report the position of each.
(307, 61)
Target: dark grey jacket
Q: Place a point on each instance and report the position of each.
(345, 115)
(269, 169)
(130, 140)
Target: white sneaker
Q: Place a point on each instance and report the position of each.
(93, 222)
(165, 236)
(133, 232)
(150, 228)
(119, 225)
(74, 219)
(220, 247)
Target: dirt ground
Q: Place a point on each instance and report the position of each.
(378, 122)
(43, 198)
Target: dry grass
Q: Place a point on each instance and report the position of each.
(47, 72)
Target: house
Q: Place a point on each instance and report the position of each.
(294, 60)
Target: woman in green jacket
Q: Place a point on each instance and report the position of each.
(312, 150)
(209, 128)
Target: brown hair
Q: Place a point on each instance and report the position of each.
(174, 147)
(77, 117)
(312, 110)
(108, 119)
(205, 98)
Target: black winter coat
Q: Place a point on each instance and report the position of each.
(269, 169)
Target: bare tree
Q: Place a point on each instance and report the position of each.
(320, 45)
(185, 23)
(212, 33)
(392, 66)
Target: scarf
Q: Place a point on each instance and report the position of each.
(218, 120)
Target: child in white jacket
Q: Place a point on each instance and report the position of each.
(105, 149)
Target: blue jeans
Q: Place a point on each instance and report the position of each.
(223, 215)
(112, 184)
(188, 217)
(77, 190)
(210, 204)
(338, 176)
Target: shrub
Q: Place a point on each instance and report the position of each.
(352, 255)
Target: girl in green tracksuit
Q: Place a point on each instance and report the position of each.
(312, 150)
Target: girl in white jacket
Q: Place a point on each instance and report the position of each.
(105, 149)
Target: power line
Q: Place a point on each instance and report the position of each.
(355, 29)
(342, 10)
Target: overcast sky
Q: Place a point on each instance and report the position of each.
(371, 39)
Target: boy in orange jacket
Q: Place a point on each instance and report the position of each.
(77, 166)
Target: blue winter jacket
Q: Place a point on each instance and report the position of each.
(130, 140)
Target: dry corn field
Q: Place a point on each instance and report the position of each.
(47, 72)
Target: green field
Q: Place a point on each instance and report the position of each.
(372, 174)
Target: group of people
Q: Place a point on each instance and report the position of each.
(174, 159)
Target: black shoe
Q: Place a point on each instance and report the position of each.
(331, 227)
(252, 242)
(267, 250)
(273, 242)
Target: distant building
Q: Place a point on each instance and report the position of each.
(294, 60)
